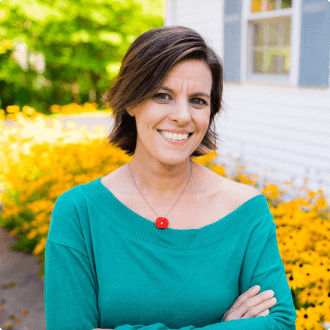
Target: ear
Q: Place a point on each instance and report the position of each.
(130, 112)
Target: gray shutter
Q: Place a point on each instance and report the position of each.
(315, 47)
(232, 40)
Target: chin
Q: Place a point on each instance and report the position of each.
(175, 162)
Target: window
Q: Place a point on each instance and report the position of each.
(269, 44)
(267, 5)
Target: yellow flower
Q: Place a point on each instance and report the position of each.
(306, 317)
(55, 108)
(14, 232)
(25, 227)
(12, 108)
(32, 234)
(218, 169)
(40, 247)
(11, 116)
(29, 111)
(89, 106)
(43, 229)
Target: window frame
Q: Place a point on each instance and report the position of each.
(265, 15)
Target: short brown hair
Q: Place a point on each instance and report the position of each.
(145, 67)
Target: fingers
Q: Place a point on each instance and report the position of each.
(264, 313)
(251, 304)
(245, 296)
(239, 308)
(256, 305)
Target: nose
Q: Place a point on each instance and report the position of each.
(180, 111)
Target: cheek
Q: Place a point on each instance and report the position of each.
(205, 123)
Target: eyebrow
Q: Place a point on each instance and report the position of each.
(195, 94)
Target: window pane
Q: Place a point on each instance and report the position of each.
(270, 46)
(273, 33)
(258, 59)
(256, 6)
(286, 4)
(260, 34)
(271, 5)
(272, 61)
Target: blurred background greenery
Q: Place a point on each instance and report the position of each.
(67, 51)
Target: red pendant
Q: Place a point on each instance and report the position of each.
(161, 223)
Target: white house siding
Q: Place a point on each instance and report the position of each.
(205, 16)
(283, 129)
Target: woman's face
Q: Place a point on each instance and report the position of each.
(182, 103)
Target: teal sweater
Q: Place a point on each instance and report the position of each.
(108, 267)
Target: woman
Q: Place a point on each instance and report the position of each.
(162, 242)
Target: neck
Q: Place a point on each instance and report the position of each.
(161, 181)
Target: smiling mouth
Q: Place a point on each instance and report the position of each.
(189, 135)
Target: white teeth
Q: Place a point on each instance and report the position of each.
(175, 137)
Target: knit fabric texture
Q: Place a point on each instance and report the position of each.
(108, 267)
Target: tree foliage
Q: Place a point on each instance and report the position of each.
(83, 43)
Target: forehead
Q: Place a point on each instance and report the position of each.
(194, 72)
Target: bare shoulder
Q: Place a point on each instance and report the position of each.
(239, 193)
(245, 190)
(229, 192)
(230, 186)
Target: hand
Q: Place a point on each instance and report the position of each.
(247, 306)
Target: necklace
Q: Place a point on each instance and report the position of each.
(161, 222)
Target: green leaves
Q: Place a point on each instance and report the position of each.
(99, 18)
(36, 11)
(81, 36)
(113, 68)
(112, 38)
(83, 42)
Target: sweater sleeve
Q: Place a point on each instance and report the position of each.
(70, 292)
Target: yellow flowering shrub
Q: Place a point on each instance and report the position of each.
(41, 160)
(74, 108)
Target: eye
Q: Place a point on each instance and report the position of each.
(161, 96)
(201, 101)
